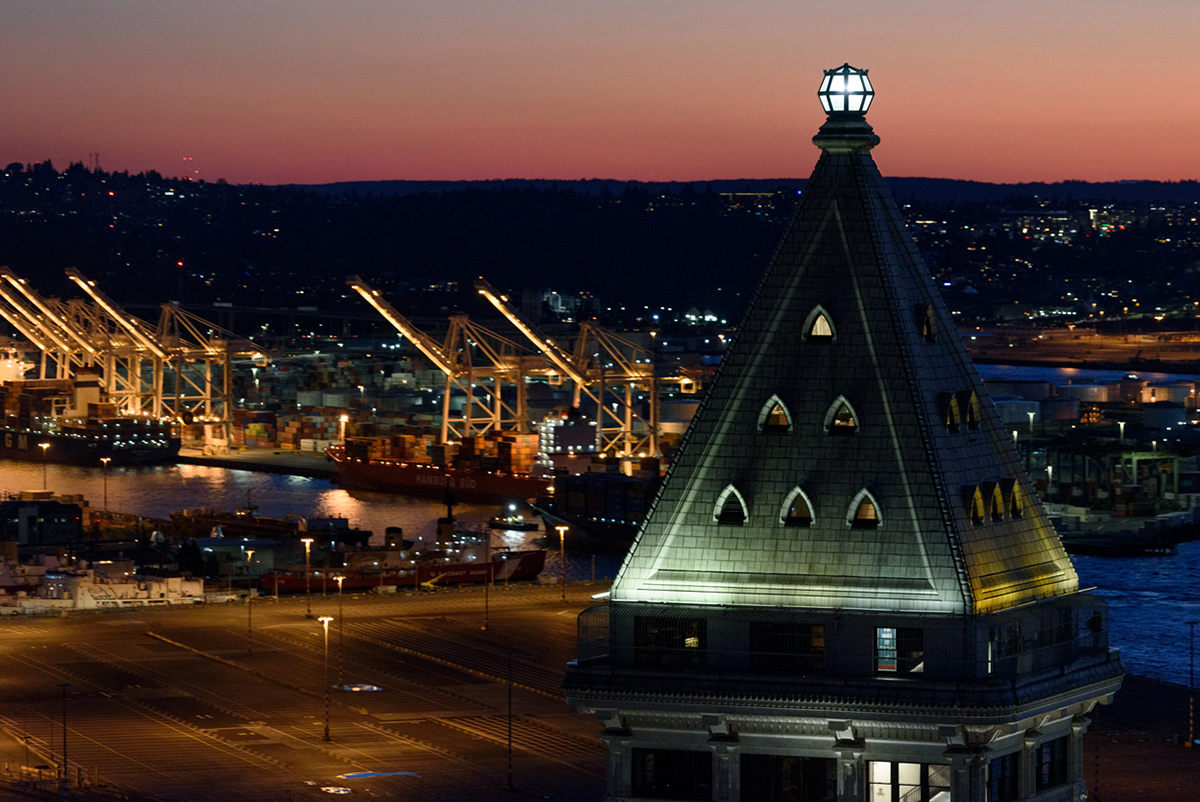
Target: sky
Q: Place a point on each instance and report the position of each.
(315, 91)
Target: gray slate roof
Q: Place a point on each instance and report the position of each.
(848, 254)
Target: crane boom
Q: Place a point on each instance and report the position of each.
(36, 300)
(526, 328)
(123, 318)
(420, 339)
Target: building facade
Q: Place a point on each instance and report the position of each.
(846, 588)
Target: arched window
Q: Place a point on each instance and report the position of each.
(928, 322)
(995, 501)
(949, 409)
(774, 417)
(730, 509)
(796, 510)
(968, 404)
(864, 511)
(1011, 490)
(974, 499)
(841, 418)
(818, 327)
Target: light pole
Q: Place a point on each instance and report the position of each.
(562, 561)
(1049, 479)
(341, 640)
(1031, 414)
(307, 541)
(1121, 426)
(1191, 741)
(43, 447)
(249, 606)
(343, 420)
(325, 619)
(64, 687)
(104, 472)
(509, 787)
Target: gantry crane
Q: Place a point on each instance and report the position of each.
(470, 357)
(607, 369)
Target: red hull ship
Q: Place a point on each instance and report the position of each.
(417, 479)
(512, 566)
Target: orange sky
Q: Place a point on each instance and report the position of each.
(311, 91)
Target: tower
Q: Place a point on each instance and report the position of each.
(846, 589)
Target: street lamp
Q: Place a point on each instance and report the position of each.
(104, 471)
(64, 686)
(1014, 438)
(1031, 414)
(43, 447)
(341, 640)
(249, 605)
(1049, 480)
(1121, 426)
(325, 619)
(343, 420)
(307, 541)
(1191, 741)
(562, 561)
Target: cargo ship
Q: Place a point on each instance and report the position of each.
(469, 484)
(507, 566)
(605, 508)
(62, 421)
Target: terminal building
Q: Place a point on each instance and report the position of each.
(846, 589)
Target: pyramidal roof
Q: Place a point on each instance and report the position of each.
(846, 454)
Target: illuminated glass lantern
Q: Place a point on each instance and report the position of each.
(846, 90)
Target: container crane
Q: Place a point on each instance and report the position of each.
(502, 362)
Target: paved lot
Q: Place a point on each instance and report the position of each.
(169, 703)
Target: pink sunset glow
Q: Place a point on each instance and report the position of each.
(307, 92)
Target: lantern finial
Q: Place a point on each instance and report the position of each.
(845, 94)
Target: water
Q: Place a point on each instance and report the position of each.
(1149, 600)
(1057, 376)
(1150, 597)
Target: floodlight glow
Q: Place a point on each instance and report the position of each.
(846, 90)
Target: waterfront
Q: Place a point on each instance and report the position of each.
(1151, 597)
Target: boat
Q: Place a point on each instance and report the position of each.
(64, 421)
(512, 522)
(91, 441)
(427, 571)
(424, 479)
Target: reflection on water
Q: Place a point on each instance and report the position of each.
(1150, 597)
(156, 491)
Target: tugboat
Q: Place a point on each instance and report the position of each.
(513, 522)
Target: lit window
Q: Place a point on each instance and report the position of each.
(774, 417)
(885, 649)
(969, 405)
(821, 327)
(975, 506)
(840, 419)
(864, 512)
(908, 782)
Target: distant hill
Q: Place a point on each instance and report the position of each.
(936, 190)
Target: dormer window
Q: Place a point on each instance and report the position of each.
(968, 404)
(1010, 490)
(821, 327)
(730, 509)
(774, 417)
(991, 492)
(950, 412)
(975, 505)
(818, 327)
(864, 511)
(797, 511)
(928, 323)
(840, 419)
